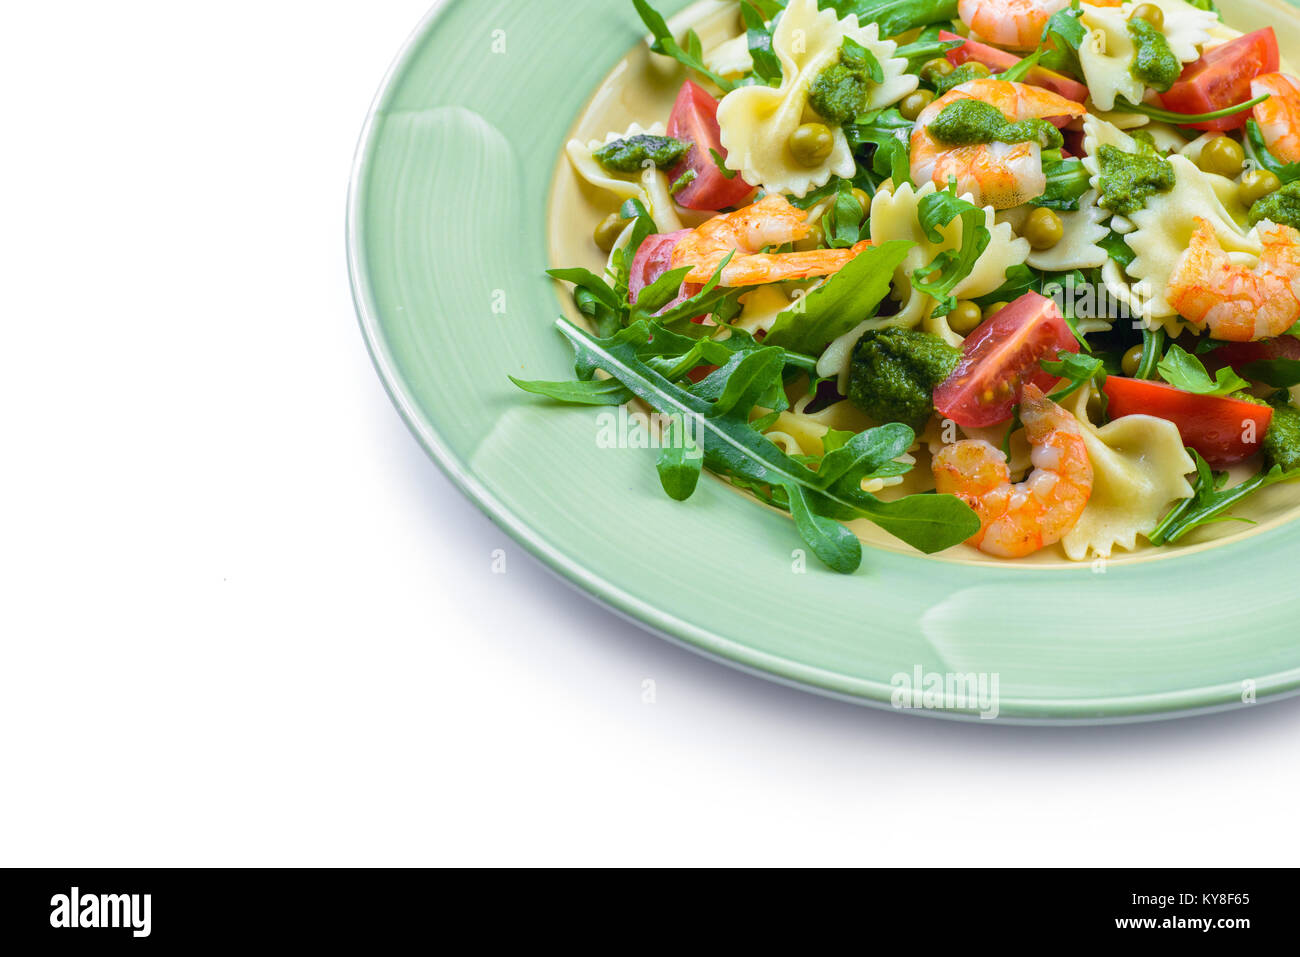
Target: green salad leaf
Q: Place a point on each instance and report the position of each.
(690, 56)
(896, 16)
(767, 65)
(1078, 369)
(1211, 501)
(1182, 370)
(844, 221)
(950, 267)
(716, 427)
(1067, 181)
(841, 302)
(1062, 37)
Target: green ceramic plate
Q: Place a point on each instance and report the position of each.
(448, 244)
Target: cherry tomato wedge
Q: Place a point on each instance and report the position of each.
(1000, 60)
(1225, 431)
(1221, 78)
(651, 261)
(653, 258)
(999, 357)
(695, 118)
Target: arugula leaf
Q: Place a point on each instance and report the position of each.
(1182, 119)
(843, 222)
(767, 65)
(950, 267)
(1020, 279)
(844, 300)
(925, 48)
(896, 16)
(837, 547)
(1021, 68)
(1259, 152)
(768, 8)
(1078, 368)
(1118, 249)
(680, 460)
(690, 56)
(1067, 181)
(721, 164)
(1153, 343)
(1062, 36)
(1279, 373)
(1182, 370)
(594, 299)
(1210, 501)
(582, 392)
(890, 135)
(659, 293)
(733, 448)
(711, 297)
(643, 227)
(857, 57)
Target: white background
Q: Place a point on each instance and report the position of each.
(244, 619)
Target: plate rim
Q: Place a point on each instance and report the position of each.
(1068, 712)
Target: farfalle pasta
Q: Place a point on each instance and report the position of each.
(756, 122)
(649, 185)
(1139, 469)
(1108, 49)
(1026, 309)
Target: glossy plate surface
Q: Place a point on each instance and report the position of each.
(448, 245)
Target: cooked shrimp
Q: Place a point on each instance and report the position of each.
(1016, 520)
(1236, 302)
(772, 221)
(1000, 175)
(1278, 116)
(1009, 23)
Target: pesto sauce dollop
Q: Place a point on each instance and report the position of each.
(631, 154)
(894, 372)
(1282, 440)
(1154, 63)
(1129, 179)
(840, 91)
(970, 122)
(1282, 207)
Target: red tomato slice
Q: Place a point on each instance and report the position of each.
(1221, 78)
(1225, 431)
(654, 258)
(1000, 60)
(999, 357)
(695, 118)
(651, 261)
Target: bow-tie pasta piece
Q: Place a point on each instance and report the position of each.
(756, 122)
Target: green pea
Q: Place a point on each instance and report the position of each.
(1043, 229)
(936, 69)
(1257, 184)
(607, 233)
(1150, 13)
(965, 317)
(812, 143)
(915, 103)
(1223, 155)
(1131, 361)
